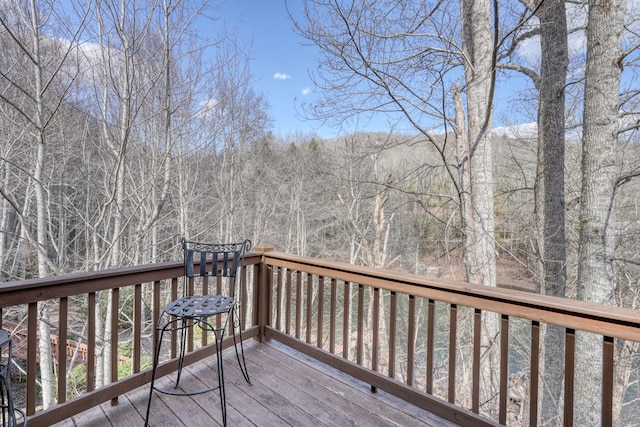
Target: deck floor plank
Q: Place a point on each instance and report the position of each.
(288, 388)
(307, 408)
(341, 404)
(352, 399)
(359, 391)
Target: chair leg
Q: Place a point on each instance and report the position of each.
(8, 414)
(239, 355)
(221, 388)
(156, 359)
(183, 349)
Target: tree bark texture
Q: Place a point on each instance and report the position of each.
(479, 231)
(551, 131)
(596, 281)
(478, 223)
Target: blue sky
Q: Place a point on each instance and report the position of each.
(281, 62)
(280, 59)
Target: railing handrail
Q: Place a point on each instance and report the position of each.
(616, 322)
(65, 285)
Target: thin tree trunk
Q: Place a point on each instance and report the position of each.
(46, 363)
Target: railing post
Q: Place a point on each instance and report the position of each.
(264, 293)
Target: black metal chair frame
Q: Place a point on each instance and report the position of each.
(226, 260)
(6, 398)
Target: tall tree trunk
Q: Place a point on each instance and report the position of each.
(551, 129)
(478, 47)
(596, 279)
(46, 362)
(4, 222)
(478, 220)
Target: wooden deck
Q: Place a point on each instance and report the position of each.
(288, 388)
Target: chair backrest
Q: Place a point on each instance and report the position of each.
(225, 259)
(215, 260)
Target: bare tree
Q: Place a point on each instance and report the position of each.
(596, 278)
(37, 102)
(550, 191)
(376, 58)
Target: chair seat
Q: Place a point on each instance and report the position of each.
(199, 306)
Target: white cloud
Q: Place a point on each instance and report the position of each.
(306, 91)
(529, 49)
(281, 76)
(523, 130)
(207, 107)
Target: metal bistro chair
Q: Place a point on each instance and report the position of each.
(211, 313)
(6, 399)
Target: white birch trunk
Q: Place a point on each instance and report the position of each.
(46, 363)
(478, 219)
(478, 47)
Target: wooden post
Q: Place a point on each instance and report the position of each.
(264, 293)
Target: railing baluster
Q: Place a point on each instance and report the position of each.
(411, 341)
(115, 310)
(298, 302)
(533, 375)
(332, 317)
(504, 368)
(32, 348)
(279, 278)
(174, 334)
(243, 297)
(392, 333)
(360, 338)
(431, 315)
(477, 348)
(63, 313)
(309, 305)
(287, 320)
(264, 300)
(569, 371)
(607, 381)
(205, 291)
(375, 332)
(346, 320)
(191, 285)
(375, 328)
(137, 327)
(255, 301)
(453, 337)
(91, 341)
(320, 329)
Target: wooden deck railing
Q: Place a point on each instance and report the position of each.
(403, 333)
(136, 295)
(400, 333)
